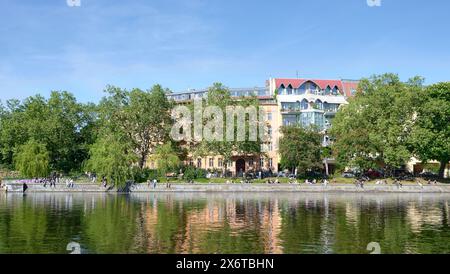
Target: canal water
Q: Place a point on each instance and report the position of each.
(225, 223)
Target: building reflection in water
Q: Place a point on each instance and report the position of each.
(328, 221)
(269, 223)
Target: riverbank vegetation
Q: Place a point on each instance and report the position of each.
(388, 122)
(113, 139)
(384, 125)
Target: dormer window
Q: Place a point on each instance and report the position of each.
(335, 91)
(289, 90)
(312, 87)
(282, 90)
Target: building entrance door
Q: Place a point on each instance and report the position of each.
(240, 167)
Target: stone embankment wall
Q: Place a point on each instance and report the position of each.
(290, 188)
(17, 186)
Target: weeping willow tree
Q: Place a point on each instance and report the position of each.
(32, 159)
(111, 159)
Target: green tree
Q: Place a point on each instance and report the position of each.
(430, 137)
(60, 123)
(219, 96)
(32, 159)
(139, 118)
(111, 159)
(300, 148)
(166, 158)
(374, 127)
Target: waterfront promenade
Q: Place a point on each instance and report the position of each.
(18, 186)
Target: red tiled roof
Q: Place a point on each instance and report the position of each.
(349, 86)
(343, 86)
(296, 83)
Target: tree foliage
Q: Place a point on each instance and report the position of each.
(111, 159)
(374, 127)
(430, 137)
(219, 96)
(62, 124)
(138, 118)
(300, 148)
(32, 159)
(166, 158)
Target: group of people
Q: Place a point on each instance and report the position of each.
(243, 181)
(51, 181)
(398, 183)
(324, 182)
(384, 182)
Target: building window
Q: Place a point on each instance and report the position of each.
(191, 162)
(269, 116)
(304, 104)
(289, 90)
(269, 147)
(211, 162)
(318, 104)
(220, 162)
(250, 162)
(199, 163)
(270, 162)
(335, 91)
(302, 89)
(261, 162)
(269, 132)
(282, 90)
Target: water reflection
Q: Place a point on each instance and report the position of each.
(225, 223)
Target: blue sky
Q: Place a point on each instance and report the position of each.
(46, 45)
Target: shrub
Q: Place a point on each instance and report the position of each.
(143, 175)
(192, 173)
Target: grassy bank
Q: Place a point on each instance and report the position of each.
(338, 180)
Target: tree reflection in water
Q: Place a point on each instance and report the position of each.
(224, 223)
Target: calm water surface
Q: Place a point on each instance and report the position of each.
(225, 223)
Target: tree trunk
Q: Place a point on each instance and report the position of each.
(442, 168)
(142, 161)
(327, 172)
